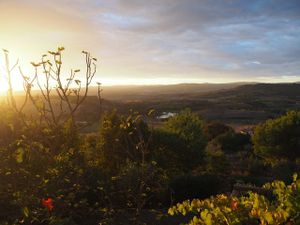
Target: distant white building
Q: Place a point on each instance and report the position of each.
(166, 115)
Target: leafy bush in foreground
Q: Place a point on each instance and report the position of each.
(252, 209)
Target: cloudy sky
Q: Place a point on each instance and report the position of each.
(161, 41)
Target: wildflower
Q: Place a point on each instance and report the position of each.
(48, 203)
(234, 205)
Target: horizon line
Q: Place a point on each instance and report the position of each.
(180, 83)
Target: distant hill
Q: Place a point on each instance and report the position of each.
(253, 103)
(237, 103)
(233, 103)
(262, 89)
(138, 92)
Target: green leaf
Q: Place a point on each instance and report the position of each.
(295, 175)
(171, 211)
(269, 218)
(25, 211)
(61, 48)
(20, 155)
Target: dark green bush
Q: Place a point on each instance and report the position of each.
(190, 187)
(214, 129)
(231, 142)
(189, 128)
(278, 138)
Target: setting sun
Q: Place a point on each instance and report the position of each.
(3, 87)
(16, 78)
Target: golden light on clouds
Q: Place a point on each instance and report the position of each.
(138, 42)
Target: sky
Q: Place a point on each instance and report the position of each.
(159, 41)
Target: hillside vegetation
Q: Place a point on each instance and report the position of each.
(238, 106)
(130, 170)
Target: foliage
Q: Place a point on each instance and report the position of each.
(256, 165)
(231, 142)
(282, 167)
(189, 127)
(42, 161)
(139, 184)
(251, 209)
(124, 146)
(122, 139)
(278, 137)
(216, 161)
(214, 129)
(168, 149)
(189, 186)
(58, 99)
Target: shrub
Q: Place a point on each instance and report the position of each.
(216, 160)
(232, 142)
(168, 149)
(119, 140)
(189, 127)
(214, 129)
(278, 138)
(189, 186)
(251, 209)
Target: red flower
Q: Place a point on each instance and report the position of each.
(48, 203)
(234, 205)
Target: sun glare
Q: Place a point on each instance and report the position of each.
(16, 82)
(3, 88)
(3, 82)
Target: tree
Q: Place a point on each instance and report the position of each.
(168, 150)
(41, 153)
(122, 139)
(54, 102)
(278, 138)
(139, 184)
(189, 127)
(58, 97)
(231, 142)
(216, 160)
(214, 129)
